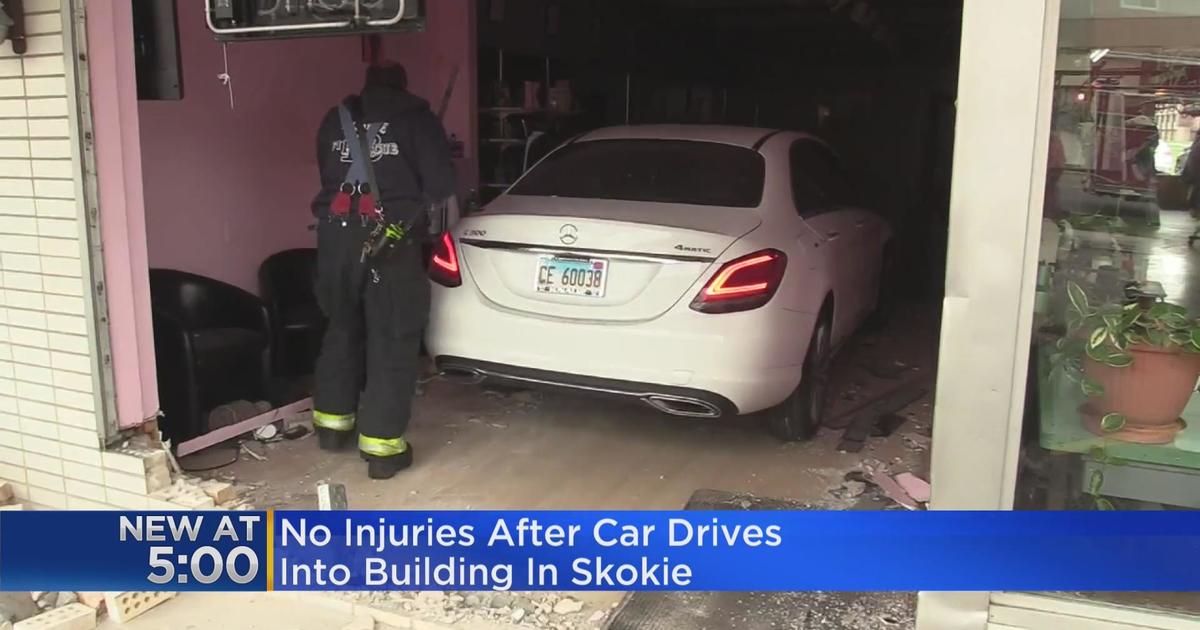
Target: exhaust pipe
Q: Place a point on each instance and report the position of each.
(678, 406)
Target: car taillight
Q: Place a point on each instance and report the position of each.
(443, 265)
(743, 284)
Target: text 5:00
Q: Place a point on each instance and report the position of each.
(205, 565)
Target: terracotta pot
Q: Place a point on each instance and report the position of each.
(1151, 393)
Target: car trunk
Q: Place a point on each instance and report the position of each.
(620, 261)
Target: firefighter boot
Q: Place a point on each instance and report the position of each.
(385, 457)
(334, 432)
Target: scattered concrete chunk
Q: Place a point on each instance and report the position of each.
(220, 491)
(91, 600)
(6, 493)
(567, 606)
(125, 606)
(916, 487)
(70, 617)
(16, 606)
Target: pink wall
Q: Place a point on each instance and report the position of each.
(122, 223)
(225, 189)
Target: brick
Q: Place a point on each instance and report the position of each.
(157, 480)
(64, 247)
(12, 224)
(69, 324)
(127, 500)
(43, 463)
(62, 266)
(12, 87)
(219, 491)
(30, 355)
(15, 149)
(27, 319)
(10, 439)
(14, 128)
(69, 343)
(77, 503)
(16, 168)
(43, 23)
(69, 362)
(74, 382)
(82, 472)
(46, 107)
(125, 482)
(123, 607)
(60, 169)
(74, 616)
(77, 417)
(49, 128)
(39, 393)
(23, 281)
(46, 149)
(45, 86)
(64, 304)
(37, 410)
(12, 456)
(61, 208)
(62, 286)
(82, 455)
(89, 599)
(42, 6)
(13, 108)
(11, 68)
(14, 187)
(24, 299)
(85, 490)
(55, 189)
(11, 471)
(122, 462)
(47, 481)
(42, 444)
(20, 262)
(22, 206)
(18, 244)
(47, 497)
(59, 228)
(42, 66)
(79, 437)
(75, 400)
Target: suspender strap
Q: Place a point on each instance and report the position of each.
(361, 167)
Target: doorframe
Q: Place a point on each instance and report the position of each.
(1006, 73)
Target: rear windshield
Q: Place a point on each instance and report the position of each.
(666, 171)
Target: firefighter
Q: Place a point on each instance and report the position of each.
(371, 282)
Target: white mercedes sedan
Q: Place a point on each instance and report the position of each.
(706, 271)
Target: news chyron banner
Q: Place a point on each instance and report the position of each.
(564, 551)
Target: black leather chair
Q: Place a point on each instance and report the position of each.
(286, 281)
(211, 344)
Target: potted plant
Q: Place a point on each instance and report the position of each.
(1139, 363)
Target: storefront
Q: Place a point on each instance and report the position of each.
(1076, 122)
(1068, 204)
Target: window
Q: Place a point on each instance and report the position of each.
(663, 171)
(818, 182)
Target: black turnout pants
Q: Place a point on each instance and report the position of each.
(377, 311)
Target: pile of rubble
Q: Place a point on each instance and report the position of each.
(546, 611)
(72, 611)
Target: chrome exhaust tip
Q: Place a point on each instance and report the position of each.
(679, 406)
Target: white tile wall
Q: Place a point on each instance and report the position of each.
(50, 443)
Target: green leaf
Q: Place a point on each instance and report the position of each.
(1112, 422)
(1119, 360)
(1096, 482)
(1097, 338)
(1164, 309)
(1078, 298)
(1104, 505)
(1091, 387)
(1196, 337)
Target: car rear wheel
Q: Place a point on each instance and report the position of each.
(799, 417)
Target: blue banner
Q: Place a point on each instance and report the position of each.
(690, 551)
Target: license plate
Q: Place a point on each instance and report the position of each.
(586, 277)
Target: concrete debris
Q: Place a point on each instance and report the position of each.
(70, 617)
(13, 506)
(568, 606)
(91, 600)
(849, 489)
(220, 491)
(360, 623)
(916, 487)
(6, 493)
(64, 598)
(597, 617)
(16, 606)
(518, 614)
(877, 474)
(45, 601)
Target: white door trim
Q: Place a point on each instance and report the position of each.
(1028, 611)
